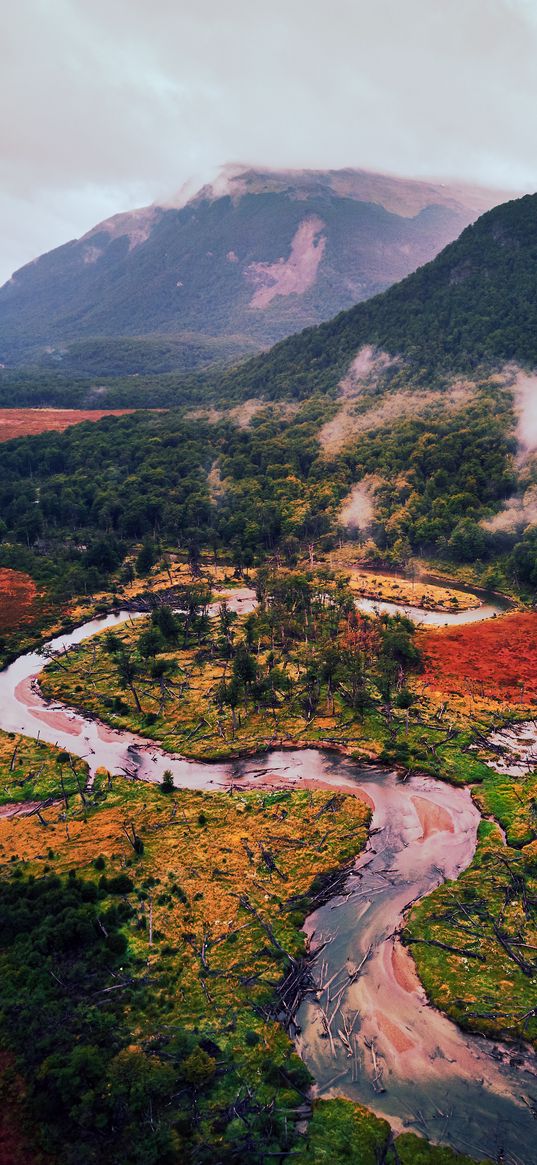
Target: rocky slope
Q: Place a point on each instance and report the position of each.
(248, 260)
(471, 309)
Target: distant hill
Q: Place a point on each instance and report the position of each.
(475, 304)
(245, 262)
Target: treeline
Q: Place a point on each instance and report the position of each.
(72, 504)
(112, 356)
(43, 388)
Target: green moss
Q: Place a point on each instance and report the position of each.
(412, 1150)
(33, 771)
(342, 1132)
(487, 920)
(513, 802)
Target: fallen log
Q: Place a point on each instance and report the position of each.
(433, 942)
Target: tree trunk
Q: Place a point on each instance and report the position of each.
(136, 699)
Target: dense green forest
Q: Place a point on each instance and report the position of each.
(112, 356)
(474, 305)
(52, 388)
(111, 1076)
(74, 504)
(440, 476)
(62, 952)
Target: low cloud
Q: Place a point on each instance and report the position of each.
(108, 105)
(358, 510)
(525, 394)
(516, 514)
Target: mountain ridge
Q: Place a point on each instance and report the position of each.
(260, 255)
(475, 303)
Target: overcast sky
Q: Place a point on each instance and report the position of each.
(110, 104)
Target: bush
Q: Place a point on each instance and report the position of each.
(167, 785)
(252, 1039)
(120, 884)
(198, 1068)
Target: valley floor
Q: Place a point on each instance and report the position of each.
(215, 887)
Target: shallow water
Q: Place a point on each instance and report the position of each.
(451, 1087)
(491, 606)
(519, 748)
(23, 709)
(454, 1088)
(491, 603)
(421, 616)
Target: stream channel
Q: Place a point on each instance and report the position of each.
(387, 1047)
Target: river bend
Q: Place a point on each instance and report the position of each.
(368, 1033)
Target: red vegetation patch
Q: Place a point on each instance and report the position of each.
(18, 594)
(496, 658)
(28, 422)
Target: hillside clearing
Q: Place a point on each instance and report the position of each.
(30, 422)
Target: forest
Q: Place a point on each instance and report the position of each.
(75, 505)
(472, 308)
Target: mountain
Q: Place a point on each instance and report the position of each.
(473, 306)
(398, 416)
(246, 261)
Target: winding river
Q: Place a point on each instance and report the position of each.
(368, 1032)
(403, 1058)
(491, 604)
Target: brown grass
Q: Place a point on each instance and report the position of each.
(495, 659)
(18, 594)
(29, 422)
(211, 845)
